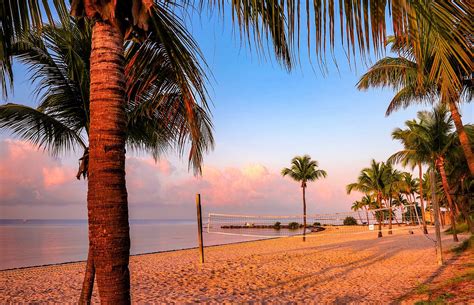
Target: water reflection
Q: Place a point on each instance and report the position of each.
(40, 242)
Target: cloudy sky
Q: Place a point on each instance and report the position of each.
(262, 115)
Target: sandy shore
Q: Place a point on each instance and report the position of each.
(328, 268)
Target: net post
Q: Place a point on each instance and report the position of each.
(434, 202)
(199, 223)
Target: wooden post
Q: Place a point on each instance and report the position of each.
(199, 222)
(434, 202)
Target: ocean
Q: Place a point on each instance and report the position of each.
(25, 243)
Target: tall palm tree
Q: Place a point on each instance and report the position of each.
(434, 131)
(157, 118)
(303, 169)
(412, 154)
(402, 74)
(372, 180)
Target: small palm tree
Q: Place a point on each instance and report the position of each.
(356, 207)
(372, 180)
(303, 169)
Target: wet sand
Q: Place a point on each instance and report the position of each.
(327, 268)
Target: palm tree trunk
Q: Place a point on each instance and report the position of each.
(379, 202)
(423, 217)
(463, 138)
(304, 213)
(444, 180)
(107, 193)
(390, 216)
(360, 218)
(367, 215)
(88, 283)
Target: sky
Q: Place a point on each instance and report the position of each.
(263, 116)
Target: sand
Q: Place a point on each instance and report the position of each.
(327, 268)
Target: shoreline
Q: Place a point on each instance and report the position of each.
(139, 254)
(258, 238)
(351, 268)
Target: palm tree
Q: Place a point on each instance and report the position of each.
(402, 74)
(434, 130)
(356, 207)
(368, 203)
(157, 118)
(119, 21)
(412, 154)
(303, 169)
(372, 180)
(393, 184)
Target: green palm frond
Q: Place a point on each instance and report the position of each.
(162, 115)
(40, 129)
(361, 24)
(304, 169)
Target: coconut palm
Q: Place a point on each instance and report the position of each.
(393, 184)
(434, 130)
(157, 118)
(372, 180)
(413, 155)
(356, 207)
(303, 169)
(402, 74)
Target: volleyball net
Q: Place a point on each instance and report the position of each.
(355, 222)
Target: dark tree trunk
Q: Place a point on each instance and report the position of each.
(444, 180)
(379, 202)
(423, 216)
(463, 138)
(390, 217)
(367, 215)
(107, 194)
(304, 213)
(88, 283)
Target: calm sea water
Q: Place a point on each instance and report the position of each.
(40, 242)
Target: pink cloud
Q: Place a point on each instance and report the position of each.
(32, 177)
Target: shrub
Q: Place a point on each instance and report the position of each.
(293, 225)
(316, 224)
(460, 228)
(277, 225)
(350, 221)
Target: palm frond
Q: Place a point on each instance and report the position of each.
(40, 129)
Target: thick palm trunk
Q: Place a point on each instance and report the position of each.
(423, 217)
(88, 283)
(107, 194)
(444, 180)
(304, 213)
(463, 138)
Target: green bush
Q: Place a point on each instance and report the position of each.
(277, 225)
(350, 221)
(293, 225)
(316, 224)
(460, 228)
